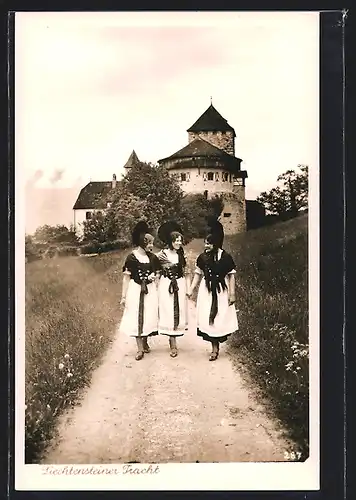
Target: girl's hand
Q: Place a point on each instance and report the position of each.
(123, 301)
(232, 300)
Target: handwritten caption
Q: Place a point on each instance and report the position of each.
(98, 470)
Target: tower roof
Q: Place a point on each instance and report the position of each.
(211, 121)
(133, 160)
(197, 148)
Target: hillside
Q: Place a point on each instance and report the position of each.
(272, 296)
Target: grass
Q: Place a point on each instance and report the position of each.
(272, 298)
(72, 308)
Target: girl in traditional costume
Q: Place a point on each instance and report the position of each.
(215, 275)
(172, 299)
(139, 290)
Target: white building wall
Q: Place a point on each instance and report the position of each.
(197, 180)
(79, 216)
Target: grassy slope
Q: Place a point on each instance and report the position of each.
(72, 308)
(272, 281)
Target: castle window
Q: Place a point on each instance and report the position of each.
(238, 181)
(217, 176)
(183, 177)
(225, 177)
(88, 215)
(227, 214)
(210, 176)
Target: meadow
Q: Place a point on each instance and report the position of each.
(72, 311)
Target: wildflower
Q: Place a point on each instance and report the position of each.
(298, 368)
(61, 366)
(267, 372)
(69, 374)
(48, 407)
(66, 356)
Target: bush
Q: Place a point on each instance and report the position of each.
(67, 251)
(59, 234)
(97, 247)
(71, 314)
(272, 298)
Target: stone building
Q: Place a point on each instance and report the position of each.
(208, 165)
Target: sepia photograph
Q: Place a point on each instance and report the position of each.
(167, 250)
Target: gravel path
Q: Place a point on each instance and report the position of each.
(161, 409)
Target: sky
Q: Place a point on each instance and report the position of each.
(91, 87)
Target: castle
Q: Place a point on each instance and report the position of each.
(207, 165)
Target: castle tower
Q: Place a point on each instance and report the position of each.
(133, 160)
(207, 165)
(212, 127)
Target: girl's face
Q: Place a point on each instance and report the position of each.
(208, 246)
(177, 243)
(148, 242)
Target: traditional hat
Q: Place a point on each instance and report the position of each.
(166, 229)
(140, 228)
(215, 231)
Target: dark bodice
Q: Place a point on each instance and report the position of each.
(140, 271)
(171, 270)
(215, 271)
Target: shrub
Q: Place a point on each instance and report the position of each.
(71, 314)
(67, 251)
(59, 234)
(97, 247)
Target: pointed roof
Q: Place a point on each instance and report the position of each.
(211, 121)
(133, 160)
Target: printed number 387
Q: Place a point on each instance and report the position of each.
(292, 455)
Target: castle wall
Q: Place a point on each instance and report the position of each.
(233, 217)
(197, 180)
(222, 140)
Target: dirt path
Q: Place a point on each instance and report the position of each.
(162, 409)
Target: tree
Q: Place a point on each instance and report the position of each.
(56, 234)
(194, 211)
(161, 193)
(290, 196)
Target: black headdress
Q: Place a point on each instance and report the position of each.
(215, 232)
(166, 229)
(141, 228)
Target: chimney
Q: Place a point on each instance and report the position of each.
(113, 182)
